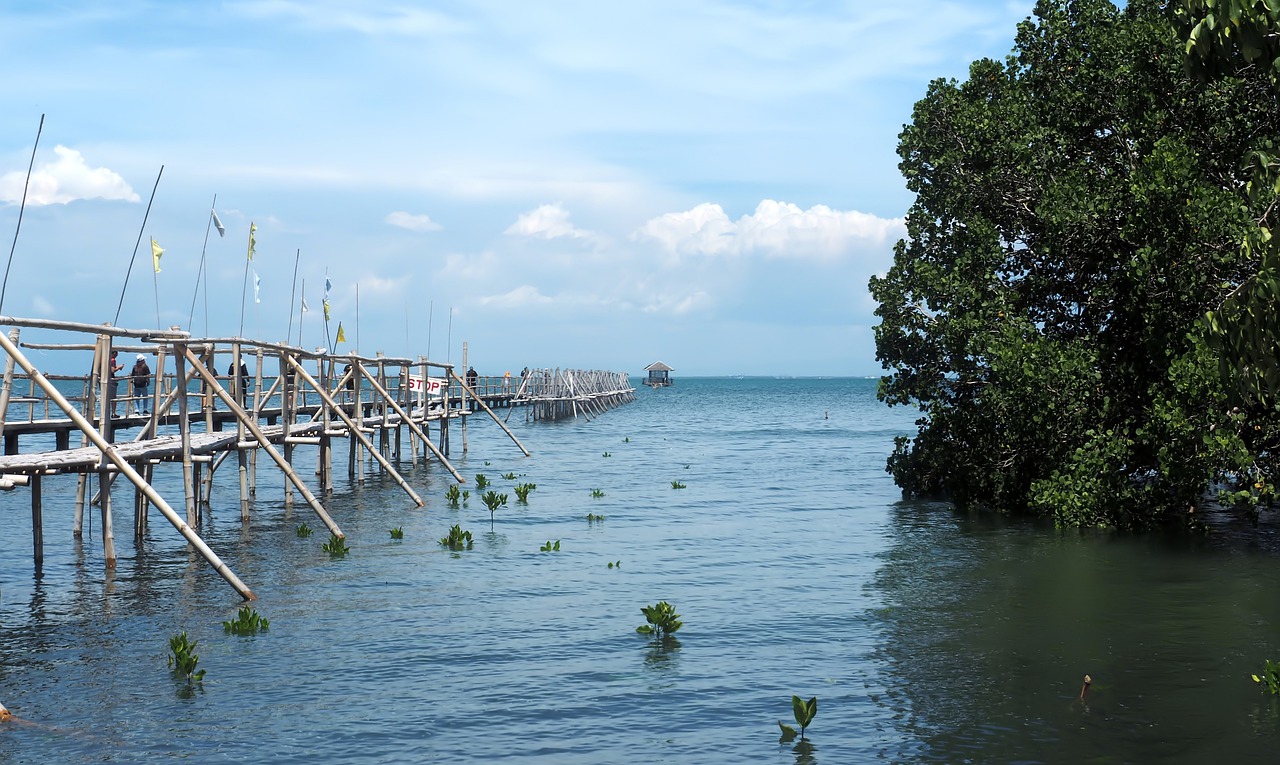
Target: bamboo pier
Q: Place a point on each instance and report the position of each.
(193, 417)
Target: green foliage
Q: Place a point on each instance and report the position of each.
(607, 454)
(626, 440)
(1078, 210)
(487, 463)
(593, 517)
(453, 494)
(457, 539)
(466, 495)
(493, 500)
(663, 621)
(522, 492)
(509, 476)
(336, 546)
(804, 712)
(304, 531)
(397, 533)
(677, 485)
(183, 657)
(247, 622)
(548, 547)
(481, 481)
(597, 493)
(1270, 679)
(615, 564)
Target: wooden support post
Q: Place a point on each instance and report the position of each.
(414, 427)
(37, 518)
(465, 405)
(108, 534)
(189, 484)
(7, 388)
(485, 407)
(258, 403)
(286, 421)
(243, 418)
(355, 432)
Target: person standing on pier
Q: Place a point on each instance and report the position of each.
(241, 391)
(115, 367)
(141, 374)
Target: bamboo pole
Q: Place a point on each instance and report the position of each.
(416, 430)
(37, 519)
(354, 430)
(8, 382)
(485, 406)
(184, 431)
(218, 390)
(123, 466)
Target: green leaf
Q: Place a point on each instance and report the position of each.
(788, 733)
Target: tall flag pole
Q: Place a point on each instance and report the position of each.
(156, 252)
(293, 293)
(303, 313)
(21, 208)
(357, 348)
(201, 276)
(244, 285)
(137, 244)
(328, 285)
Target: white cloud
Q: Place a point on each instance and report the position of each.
(776, 229)
(669, 305)
(65, 180)
(41, 306)
(412, 222)
(548, 221)
(520, 297)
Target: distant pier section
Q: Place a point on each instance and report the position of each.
(388, 410)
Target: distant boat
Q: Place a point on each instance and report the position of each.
(659, 375)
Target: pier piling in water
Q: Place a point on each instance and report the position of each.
(295, 409)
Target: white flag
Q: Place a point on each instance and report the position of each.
(256, 283)
(222, 231)
(305, 307)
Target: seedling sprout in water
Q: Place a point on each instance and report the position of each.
(457, 539)
(493, 500)
(247, 622)
(336, 546)
(663, 621)
(397, 532)
(508, 476)
(304, 530)
(597, 493)
(548, 547)
(183, 657)
(804, 712)
(453, 494)
(481, 481)
(677, 485)
(522, 492)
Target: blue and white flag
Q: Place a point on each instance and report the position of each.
(256, 284)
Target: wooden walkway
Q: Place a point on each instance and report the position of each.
(314, 398)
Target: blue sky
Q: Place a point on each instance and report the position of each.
(584, 184)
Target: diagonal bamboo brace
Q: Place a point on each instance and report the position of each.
(110, 453)
(199, 368)
(354, 430)
(413, 426)
(485, 406)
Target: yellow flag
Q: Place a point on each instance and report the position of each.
(253, 229)
(342, 336)
(156, 252)
(326, 310)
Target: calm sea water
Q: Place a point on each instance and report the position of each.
(926, 635)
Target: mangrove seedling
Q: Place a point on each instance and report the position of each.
(626, 440)
(804, 712)
(677, 485)
(617, 564)
(397, 532)
(1270, 678)
(597, 493)
(247, 622)
(304, 531)
(548, 547)
(453, 494)
(336, 546)
(522, 492)
(466, 495)
(481, 481)
(457, 539)
(607, 454)
(183, 658)
(493, 500)
(508, 476)
(487, 463)
(592, 517)
(663, 620)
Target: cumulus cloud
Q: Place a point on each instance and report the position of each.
(520, 297)
(412, 222)
(548, 222)
(41, 306)
(775, 229)
(65, 180)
